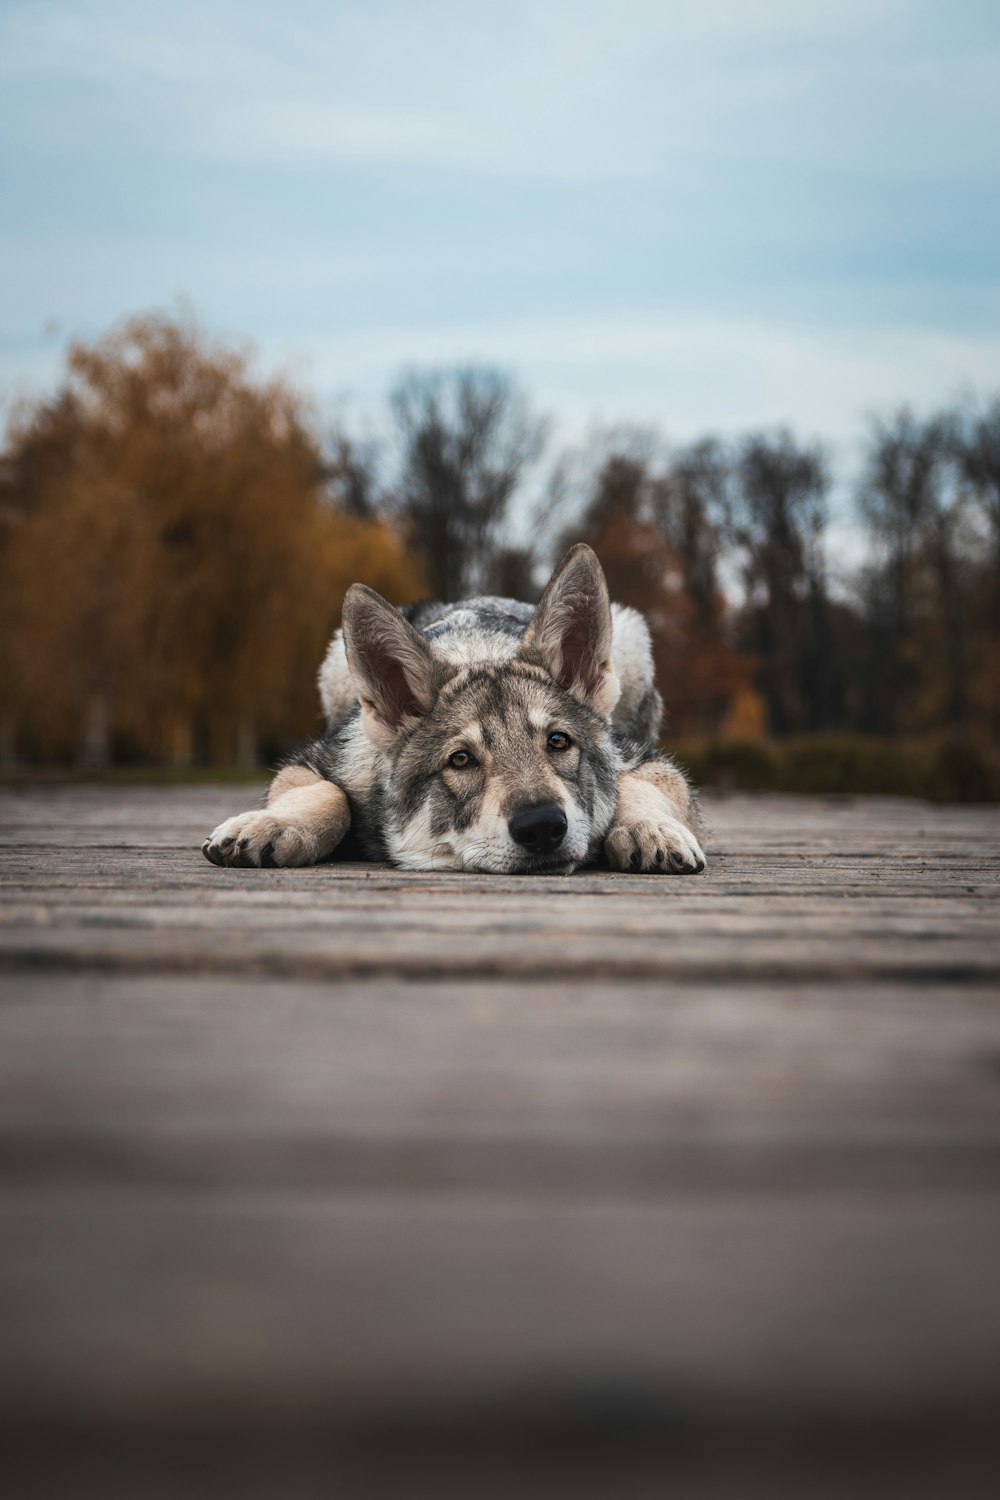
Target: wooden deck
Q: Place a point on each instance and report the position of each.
(339, 1158)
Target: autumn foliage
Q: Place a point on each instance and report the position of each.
(694, 661)
(177, 534)
(172, 561)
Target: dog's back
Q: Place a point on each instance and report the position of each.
(490, 629)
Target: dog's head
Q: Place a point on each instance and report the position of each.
(506, 765)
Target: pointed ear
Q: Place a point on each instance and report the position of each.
(571, 631)
(393, 667)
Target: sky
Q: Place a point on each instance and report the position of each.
(709, 216)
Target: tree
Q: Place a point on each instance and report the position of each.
(975, 441)
(351, 477)
(691, 503)
(466, 437)
(777, 519)
(172, 564)
(975, 438)
(917, 589)
(650, 527)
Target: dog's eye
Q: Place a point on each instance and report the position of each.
(461, 760)
(558, 740)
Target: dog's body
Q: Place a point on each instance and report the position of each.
(487, 736)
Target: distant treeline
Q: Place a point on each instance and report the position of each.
(176, 536)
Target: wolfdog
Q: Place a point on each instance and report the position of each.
(486, 736)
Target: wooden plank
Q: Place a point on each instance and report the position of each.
(563, 1089)
(163, 1304)
(797, 887)
(770, 956)
(352, 1147)
(341, 922)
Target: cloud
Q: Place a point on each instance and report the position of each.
(316, 131)
(573, 90)
(705, 214)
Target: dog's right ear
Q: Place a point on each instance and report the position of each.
(393, 667)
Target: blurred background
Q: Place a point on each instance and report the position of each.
(299, 295)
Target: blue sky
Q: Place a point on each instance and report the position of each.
(710, 215)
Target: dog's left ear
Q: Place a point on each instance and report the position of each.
(571, 631)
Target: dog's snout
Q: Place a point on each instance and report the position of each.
(538, 828)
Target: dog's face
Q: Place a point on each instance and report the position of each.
(507, 772)
(506, 766)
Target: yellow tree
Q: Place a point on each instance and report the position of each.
(170, 559)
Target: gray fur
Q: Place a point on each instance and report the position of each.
(446, 722)
(492, 629)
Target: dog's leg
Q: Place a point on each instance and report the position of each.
(651, 830)
(305, 819)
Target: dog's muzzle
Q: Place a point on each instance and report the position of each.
(539, 829)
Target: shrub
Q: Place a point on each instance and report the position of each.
(956, 769)
(731, 765)
(964, 770)
(852, 766)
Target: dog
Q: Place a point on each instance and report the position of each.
(483, 736)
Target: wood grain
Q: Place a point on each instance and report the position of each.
(348, 1150)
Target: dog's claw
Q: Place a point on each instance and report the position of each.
(654, 848)
(255, 839)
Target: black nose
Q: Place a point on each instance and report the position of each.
(539, 828)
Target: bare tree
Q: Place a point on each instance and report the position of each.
(914, 509)
(777, 519)
(657, 531)
(691, 503)
(898, 490)
(351, 477)
(604, 478)
(976, 446)
(467, 437)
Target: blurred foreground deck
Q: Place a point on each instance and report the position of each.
(311, 1167)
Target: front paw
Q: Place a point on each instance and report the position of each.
(663, 847)
(259, 838)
